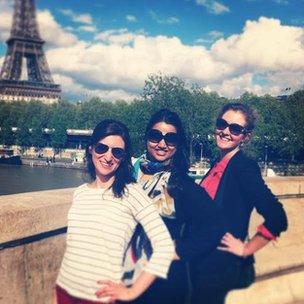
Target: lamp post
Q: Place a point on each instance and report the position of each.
(265, 160)
(201, 145)
(266, 154)
(194, 138)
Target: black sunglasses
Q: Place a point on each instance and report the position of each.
(155, 136)
(118, 153)
(234, 128)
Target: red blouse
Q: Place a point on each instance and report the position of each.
(212, 181)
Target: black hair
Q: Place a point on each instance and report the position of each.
(124, 173)
(180, 161)
(247, 111)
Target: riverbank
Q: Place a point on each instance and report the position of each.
(48, 162)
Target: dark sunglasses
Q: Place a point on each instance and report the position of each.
(118, 153)
(155, 136)
(234, 128)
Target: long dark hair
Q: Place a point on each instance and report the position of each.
(180, 161)
(124, 173)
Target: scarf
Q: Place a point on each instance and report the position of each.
(151, 167)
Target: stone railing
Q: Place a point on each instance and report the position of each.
(32, 243)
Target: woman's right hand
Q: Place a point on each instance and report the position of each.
(232, 245)
(110, 292)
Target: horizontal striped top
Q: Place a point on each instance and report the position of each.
(100, 227)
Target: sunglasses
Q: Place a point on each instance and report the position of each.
(118, 153)
(155, 136)
(234, 128)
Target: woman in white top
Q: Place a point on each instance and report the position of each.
(101, 222)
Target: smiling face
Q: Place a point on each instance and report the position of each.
(106, 164)
(161, 151)
(226, 141)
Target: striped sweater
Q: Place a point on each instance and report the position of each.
(100, 227)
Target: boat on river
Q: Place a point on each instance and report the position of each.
(7, 157)
(199, 169)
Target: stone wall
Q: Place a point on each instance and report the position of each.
(28, 271)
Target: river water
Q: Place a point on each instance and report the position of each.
(19, 179)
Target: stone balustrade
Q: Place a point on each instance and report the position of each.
(32, 246)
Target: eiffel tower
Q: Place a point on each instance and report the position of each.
(25, 74)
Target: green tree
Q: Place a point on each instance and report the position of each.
(90, 113)
(37, 137)
(6, 135)
(294, 125)
(23, 135)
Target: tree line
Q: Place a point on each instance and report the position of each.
(278, 135)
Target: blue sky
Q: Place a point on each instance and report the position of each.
(108, 48)
(189, 20)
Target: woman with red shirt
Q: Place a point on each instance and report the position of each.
(235, 184)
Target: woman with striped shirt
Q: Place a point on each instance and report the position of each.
(101, 222)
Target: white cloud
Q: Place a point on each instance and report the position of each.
(168, 20)
(210, 37)
(216, 34)
(284, 79)
(87, 28)
(52, 32)
(213, 7)
(74, 88)
(236, 86)
(127, 66)
(119, 36)
(264, 44)
(131, 18)
(172, 20)
(77, 18)
(119, 61)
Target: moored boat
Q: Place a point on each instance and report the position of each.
(7, 157)
(199, 169)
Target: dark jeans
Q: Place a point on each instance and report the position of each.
(173, 290)
(212, 288)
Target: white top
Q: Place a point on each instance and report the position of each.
(100, 227)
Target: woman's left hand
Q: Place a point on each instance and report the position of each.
(114, 291)
(232, 244)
